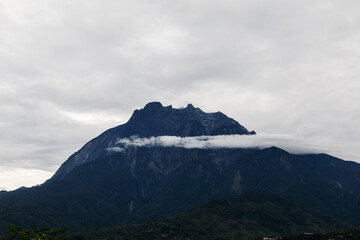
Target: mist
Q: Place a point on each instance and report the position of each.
(260, 141)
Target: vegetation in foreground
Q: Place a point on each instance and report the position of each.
(18, 233)
(246, 217)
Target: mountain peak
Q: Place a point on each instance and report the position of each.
(190, 106)
(153, 106)
(156, 120)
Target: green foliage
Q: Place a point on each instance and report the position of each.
(18, 233)
(246, 217)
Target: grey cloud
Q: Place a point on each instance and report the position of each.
(261, 141)
(71, 69)
(13, 178)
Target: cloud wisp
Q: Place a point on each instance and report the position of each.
(13, 178)
(261, 141)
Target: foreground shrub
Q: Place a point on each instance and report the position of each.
(18, 233)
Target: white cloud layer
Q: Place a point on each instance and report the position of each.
(261, 141)
(13, 178)
(70, 69)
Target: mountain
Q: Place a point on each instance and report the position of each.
(96, 188)
(247, 216)
(155, 120)
(144, 183)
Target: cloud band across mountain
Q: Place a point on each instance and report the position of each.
(289, 143)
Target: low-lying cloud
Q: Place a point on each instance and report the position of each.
(13, 178)
(261, 141)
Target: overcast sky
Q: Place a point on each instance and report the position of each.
(71, 69)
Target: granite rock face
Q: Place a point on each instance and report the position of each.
(156, 120)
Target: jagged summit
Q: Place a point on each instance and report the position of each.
(155, 120)
(154, 105)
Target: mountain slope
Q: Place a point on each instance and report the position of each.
(143, 184)
(245, 217)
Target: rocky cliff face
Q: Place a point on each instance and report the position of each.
(155, 120)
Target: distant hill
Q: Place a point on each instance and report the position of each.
(248, 216)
